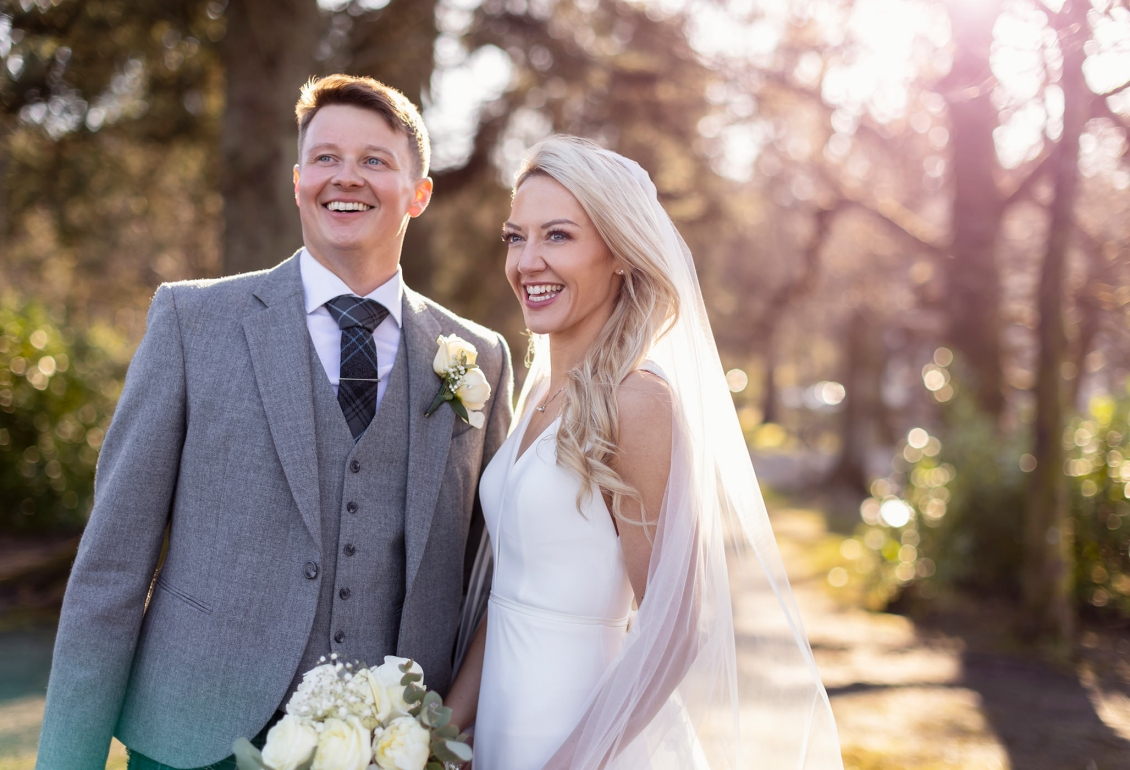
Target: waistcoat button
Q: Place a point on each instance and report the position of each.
(344, 593)
(349, 549)
(351, 507)
(354, 466)
(339, 637)
(310, 570)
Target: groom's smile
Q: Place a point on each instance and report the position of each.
(356, 187)
(343, 206)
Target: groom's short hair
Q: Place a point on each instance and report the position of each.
(370, 94)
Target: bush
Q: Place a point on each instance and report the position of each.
(57, 391)
(951, 515)
(1098, 463)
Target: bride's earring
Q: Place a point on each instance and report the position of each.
(619, 272)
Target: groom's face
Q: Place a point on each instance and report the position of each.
(356, 185)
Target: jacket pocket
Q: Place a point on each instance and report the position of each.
(186, 598)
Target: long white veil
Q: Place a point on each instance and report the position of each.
(676, 691)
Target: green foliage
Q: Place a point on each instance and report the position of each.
(976, 536)
(57, 391)
(1098, 465)
(963, 502)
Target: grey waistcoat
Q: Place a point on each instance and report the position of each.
(363, 490)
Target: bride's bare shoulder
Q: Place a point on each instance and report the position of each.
(644, 402)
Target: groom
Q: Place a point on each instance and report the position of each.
(270, 490)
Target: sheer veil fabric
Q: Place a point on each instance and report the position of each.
(675, 690)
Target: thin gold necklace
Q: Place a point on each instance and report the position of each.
(545, 403)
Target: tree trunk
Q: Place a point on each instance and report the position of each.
(972, 278)
(395, 45)
(862, 372)
(268, 54)
(1048, 567)
(769, 391)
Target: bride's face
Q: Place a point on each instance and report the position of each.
(558, 265)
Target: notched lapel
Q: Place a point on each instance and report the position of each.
(429, 438)
(277, 339)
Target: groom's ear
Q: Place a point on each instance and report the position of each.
(421, 198)
(296, 176)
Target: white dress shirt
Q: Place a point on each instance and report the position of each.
(320, 285)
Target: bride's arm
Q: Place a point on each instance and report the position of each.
(643, 460)
(463, 697)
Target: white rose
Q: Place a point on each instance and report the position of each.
(389, 675)
(375, 703)
(343, 745)
(403, 745)
(473, 390)
(290, 743)
(476, 419)
(448, 354)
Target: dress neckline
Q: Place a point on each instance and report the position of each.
(518, 455)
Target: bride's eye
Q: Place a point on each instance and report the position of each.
(558, 236)
(510, 238)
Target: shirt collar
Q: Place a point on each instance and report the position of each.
(320, 285)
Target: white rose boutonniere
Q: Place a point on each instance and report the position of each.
(464, 386)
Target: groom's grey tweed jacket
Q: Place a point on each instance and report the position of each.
(213, 442)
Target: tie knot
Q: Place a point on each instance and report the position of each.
(350, 311)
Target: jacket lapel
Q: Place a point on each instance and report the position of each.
(429, 438)
(277, 337)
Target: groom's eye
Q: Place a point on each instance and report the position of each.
(374, 161)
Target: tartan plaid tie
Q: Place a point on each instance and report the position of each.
(357, 389)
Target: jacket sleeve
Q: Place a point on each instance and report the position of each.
(502, 411)
(117, 557)
(477, 561)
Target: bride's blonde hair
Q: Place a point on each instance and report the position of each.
(646, 308)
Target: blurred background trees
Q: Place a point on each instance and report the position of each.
(908, 215)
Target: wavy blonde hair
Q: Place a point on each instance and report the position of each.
(625, 217)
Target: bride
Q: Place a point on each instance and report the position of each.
(626, 483)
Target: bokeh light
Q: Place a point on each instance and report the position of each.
(895, 513)
(736, 380)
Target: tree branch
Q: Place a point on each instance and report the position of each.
(810, 267)
(1024, 188)
(1115, 91)
(892, 213)
(1100, 109)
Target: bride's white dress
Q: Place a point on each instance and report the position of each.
(559, 605)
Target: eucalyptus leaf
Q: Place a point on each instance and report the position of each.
(413, 694)
(247, 757)
(451, 751)
(448, 731)
(432, 699)
(441, 716)
(410, 678)
(433, 766)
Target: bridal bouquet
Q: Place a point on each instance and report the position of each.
(348, 717)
